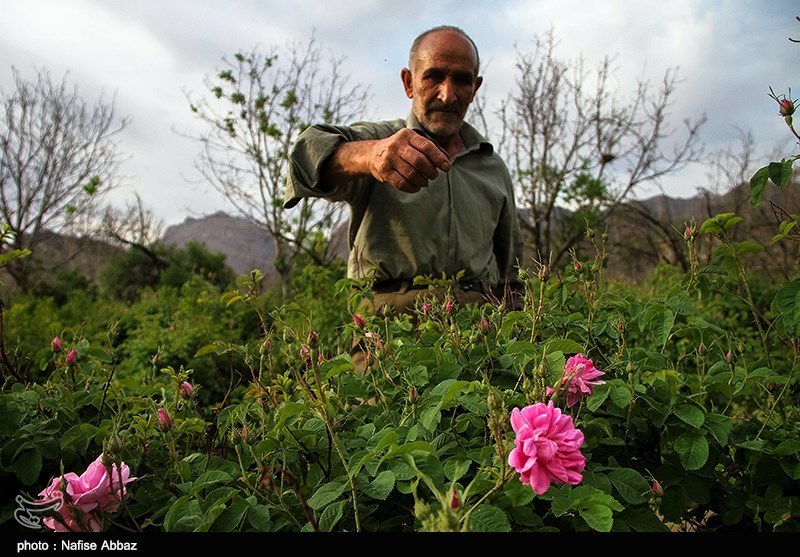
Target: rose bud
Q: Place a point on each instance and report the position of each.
(185, 389)
(358, 320)
(56, 344)
(71, 357)
(164, 420)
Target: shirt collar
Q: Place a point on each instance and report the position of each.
(471, 137)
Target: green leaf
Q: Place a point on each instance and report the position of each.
(720, 427)
(177, 517)
(564, 345)
(690, 414)
(430, 417)
(781, 172)
(331, 516)
(207, 479)
(326, 494)
(664, 327)
(519, 493)
(757, 184)
(755, 445)
(788, 447)
(693, 450)
(10, 416)
(621, 395)
(488, 518)
(642, 520)
(28, 465)
(632, 486)
(381, 486)
(230, 518)
(598, 517)
(258, 517)
(455, 468)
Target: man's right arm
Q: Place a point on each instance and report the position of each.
(404, 160)
(327, 158)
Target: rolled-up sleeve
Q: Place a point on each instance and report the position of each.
(314, 145)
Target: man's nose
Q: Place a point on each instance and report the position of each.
(447, 91)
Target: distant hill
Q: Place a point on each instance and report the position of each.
(246, 245)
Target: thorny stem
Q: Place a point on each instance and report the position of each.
(323, 403)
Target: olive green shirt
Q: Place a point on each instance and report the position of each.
(466, 219)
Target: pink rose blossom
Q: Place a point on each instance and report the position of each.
(96, 489)
(547, 447)
(86, 497)
(578, 379)
(164, 421)
(186, 389)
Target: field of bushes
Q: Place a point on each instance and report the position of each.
(217, 407)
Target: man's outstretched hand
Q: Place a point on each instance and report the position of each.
(407, 160)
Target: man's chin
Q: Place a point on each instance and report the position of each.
(443, 127)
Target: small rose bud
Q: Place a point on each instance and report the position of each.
(549, 391)
(687, 234)
(657, 488)
(728, 356)
(186, 389)
(455, 502)
(305, 353)
(544, 272)
(320, 358)
(71, 357)
(426, 307)
(244, 432)
(56, 344)
(590, 232)
(484, 325)
(164, 420)
(448, 306)
(312, 338)
(358, 320)
(413, 394)
(621, 326)
(578, 266)
(786, 107)
(701, 349)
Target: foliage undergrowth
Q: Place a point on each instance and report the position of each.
(695, 428)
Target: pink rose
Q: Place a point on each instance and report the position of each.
(71, 357)
(547, 447)
(56, 344)
(578, 378)
(186, 389)
(96, 489)
(86, 497)
(164, 420)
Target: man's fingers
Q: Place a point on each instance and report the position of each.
(431, 151)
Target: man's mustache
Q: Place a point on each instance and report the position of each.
(442, 107)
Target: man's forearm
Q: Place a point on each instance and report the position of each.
(350, 161)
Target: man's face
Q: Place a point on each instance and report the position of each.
(442, 82)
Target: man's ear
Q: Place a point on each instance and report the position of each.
(405, 76)
(478, 82)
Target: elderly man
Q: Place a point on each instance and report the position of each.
(428, 194)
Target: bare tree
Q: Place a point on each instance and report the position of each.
(135, 227)
(584, 149)
(258, 105)
(57, 160)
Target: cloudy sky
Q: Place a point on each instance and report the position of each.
(149, 53)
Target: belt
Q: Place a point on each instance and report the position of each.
(402, 285)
